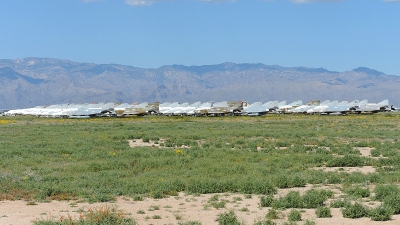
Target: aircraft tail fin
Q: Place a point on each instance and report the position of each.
(363, 102)
(383, 103)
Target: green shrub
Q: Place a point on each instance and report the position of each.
(315, 198)
(375, 153)
(244, 209)
(218, 204)
(214, 198)
(334, 178)
(157, 217)
(189, 223)
(393, 201)
(98, 216)
(383, 191)
(290, 223)
(358, 192)
(138, 198)
(294, 215)
(248, 196)
(298, 182)
(272, 214)
(140, 212)
(265, 222)
(157, 194)
(309, 222)
(266, 201)
(346, 161)
(323, 212)
(291, 200)
(282, 182)
(228, 218)
(381, 213)
(355, 211)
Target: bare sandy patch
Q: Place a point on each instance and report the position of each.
(155, 144)
(172, 210)
(365, 151)
(140, 143)
(364, 169)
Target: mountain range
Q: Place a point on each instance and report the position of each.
(31, 82)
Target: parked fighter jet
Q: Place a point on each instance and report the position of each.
(93, 110)
(61, 110)
(392, 108)
(373, 107)
(342, 107)
(176, 109)
(165, 107)
(256, 109)
(291, 106)
(321, 108)
(309, 105)
(142, 109)
(249, 109)
(225, 108)
(188, 110)
(3, 111)
(203, 108)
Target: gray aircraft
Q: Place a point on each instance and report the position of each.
(258, 109)
(2, 111)
(342, 107)
(309, 105)
(373, 107)
(394, 109)
(93, 110)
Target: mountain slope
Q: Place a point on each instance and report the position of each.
(40, 81)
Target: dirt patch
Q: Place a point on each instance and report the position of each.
(365, 151)
(155, 144)
(172, 210)
(140, 143)
(364, 169)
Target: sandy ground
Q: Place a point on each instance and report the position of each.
(171, 210)
(182, 208)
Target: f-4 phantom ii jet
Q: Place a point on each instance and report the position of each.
(92, 110)
(286, 108)
(309, 105)
(139, 110)
(258, 109)
(202, 109)
(366, 107)
(3, 111)
(224, 108)
(342, 107)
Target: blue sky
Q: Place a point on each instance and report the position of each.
(338, 35)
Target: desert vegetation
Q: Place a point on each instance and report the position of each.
(91, 160)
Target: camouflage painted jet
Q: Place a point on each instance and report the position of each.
(140, 110)
(224, 108)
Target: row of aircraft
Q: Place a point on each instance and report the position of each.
(201, 109)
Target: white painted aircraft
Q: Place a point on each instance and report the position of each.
(373, 107)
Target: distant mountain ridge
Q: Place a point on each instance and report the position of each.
(30, 82)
